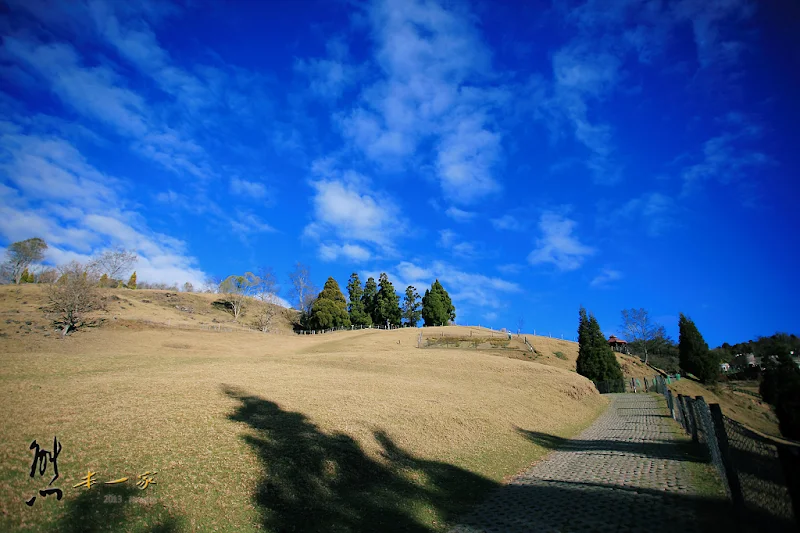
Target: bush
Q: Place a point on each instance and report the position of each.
(72, 296)
(780, 387)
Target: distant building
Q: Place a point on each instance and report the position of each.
(745, 360)
(618, 345)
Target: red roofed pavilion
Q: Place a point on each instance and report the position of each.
(618, 345)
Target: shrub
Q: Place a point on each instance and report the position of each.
(74, 295)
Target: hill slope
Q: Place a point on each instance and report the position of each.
(239, 425)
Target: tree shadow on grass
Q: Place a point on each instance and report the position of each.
(659, 449)
(315, 481)
(114, 509)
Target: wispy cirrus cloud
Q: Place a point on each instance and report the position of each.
(727, 156)
(430, 104)
(54, 192)
(655, 211)
(589, 68)
(507, 222)
(558, 245)
(346, 252)
(449, 240)
(332, 75)
(468, 290)
(459, 215)
(252, 189)
(100, 94)
(605, 278)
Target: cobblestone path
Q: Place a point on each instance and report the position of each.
(627, 472)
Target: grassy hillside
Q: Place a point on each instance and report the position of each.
(345, 431)
(738, 400)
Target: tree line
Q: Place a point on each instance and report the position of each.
(374, 303)
(645, 337)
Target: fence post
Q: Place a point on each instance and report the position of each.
(693, 419)
(671, 404)
(724, 450)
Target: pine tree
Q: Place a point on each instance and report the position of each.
(596, 361)
(387, 303)
(446, 301)
(370, 299)
(358, 316)
(412, 307)
(132, 281)
(330, 308)
(104, 282)
(584, 365)
(693, 352)
(437, 307)
(24, 277)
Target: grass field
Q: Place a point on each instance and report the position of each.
(348, 431)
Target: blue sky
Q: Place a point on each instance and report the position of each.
(533, 156)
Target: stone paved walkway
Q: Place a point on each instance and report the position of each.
(627, 472)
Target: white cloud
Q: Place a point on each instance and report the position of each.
(449, 239)
(331, 76)
(655, 211)
(54, 193)
(605, 278)
(728, 155)
(466, 289)
(140, 46)
(410, 271)
(557, 244)
(511, 268)
(582, 75)
(347, 208)
(247, 223)
(250, 189)
(605, 34)
(459, 215)
(99, 94)
(351, 252)
(507, 222)
(432, 62)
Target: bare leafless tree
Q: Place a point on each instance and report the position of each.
(188, 287)
(265, 307)
(211, 284)
(73, 296)
(116, 262)
(48, 275)
(638, 327)
(303, 289)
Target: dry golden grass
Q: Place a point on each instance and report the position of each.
(745, 408)
(243, 428)
(632, 366)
